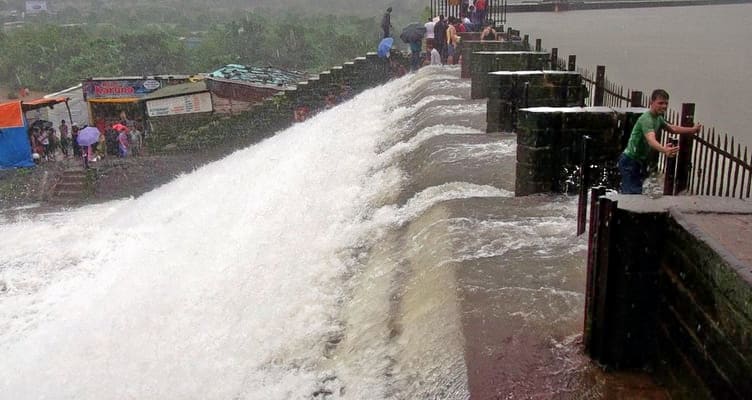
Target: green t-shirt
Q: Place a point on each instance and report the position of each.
(638, 147)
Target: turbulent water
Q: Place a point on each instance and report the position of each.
(375, 251)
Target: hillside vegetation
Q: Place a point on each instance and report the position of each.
(130, 37)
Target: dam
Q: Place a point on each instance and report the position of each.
(374, 251)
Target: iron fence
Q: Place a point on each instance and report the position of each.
(496, 10)
(714, 164)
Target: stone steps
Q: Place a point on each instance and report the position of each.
(70, 186)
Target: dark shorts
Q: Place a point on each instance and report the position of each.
(633, 174)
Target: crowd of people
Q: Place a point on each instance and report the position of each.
(441, 38)
(122, 138)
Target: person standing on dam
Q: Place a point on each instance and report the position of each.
(386, 22)
(440, 37)
(633, 161)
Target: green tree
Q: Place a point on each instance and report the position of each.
(99, 57)
(150, 53)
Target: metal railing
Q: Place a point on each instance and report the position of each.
(496, 10)
(708, 163)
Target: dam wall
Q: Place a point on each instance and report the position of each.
(670, 288)
(669, 285)
(192, 132)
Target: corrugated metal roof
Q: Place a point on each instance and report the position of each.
(257, 75)
(136, 78)
(177, 90)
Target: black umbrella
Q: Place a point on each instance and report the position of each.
(413, 33)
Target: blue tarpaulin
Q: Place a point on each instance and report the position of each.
(15, 149)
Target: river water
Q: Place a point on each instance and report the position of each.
(700, 54)
(375, 251)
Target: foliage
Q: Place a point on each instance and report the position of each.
(53, 57)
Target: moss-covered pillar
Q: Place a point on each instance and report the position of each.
(623, 287)
(360, 74)
(600, 125)
(503, 91)
(471, 46)
(488, 61)
(536, 140)
(511, 90)
(549, 147)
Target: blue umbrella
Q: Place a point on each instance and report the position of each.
(88, 136)
(384, 46)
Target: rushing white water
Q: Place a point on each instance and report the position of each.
(270, 274)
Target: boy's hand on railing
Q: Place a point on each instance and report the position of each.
(670, 150)
(698, 128)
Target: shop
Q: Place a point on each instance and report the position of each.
(113, 100)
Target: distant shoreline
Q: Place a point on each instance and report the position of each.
(574, 5)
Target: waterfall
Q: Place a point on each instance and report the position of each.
(373, 251)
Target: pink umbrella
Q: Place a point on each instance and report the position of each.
(119, 127)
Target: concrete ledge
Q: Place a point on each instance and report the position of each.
(679, 277)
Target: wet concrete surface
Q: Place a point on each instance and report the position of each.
(732, 231)
(726, 223)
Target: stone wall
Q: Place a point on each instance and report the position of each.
(667, 290)
(510, 90)
(704, 321)
(484, 62)
(467, 48)
(198, 131)
(550, 146)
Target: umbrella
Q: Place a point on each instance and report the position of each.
(88, 136)
(413, 33)
(384, 47)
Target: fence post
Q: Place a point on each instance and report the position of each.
(596, 335)
(670, 178)
(600, 85)
(636, 99)
(526, 41)
(684, 158)
(595, 194)
(572, 63)
(554, 59)
(584, 183)
(538, 44)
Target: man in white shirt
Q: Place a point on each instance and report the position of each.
(435, 57)
(429, 33)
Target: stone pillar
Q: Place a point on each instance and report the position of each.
(489, 61)
(470, 47)
(600, 125)
(536, 139)
(549, 148)
(625, 281)
(510, 90)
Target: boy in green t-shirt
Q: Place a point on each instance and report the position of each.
(633, 161)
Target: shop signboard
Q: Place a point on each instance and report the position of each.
(192, 103)
(119, 89)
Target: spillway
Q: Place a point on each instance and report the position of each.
(374, 251)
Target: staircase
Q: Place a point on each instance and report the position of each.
(70, 187)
